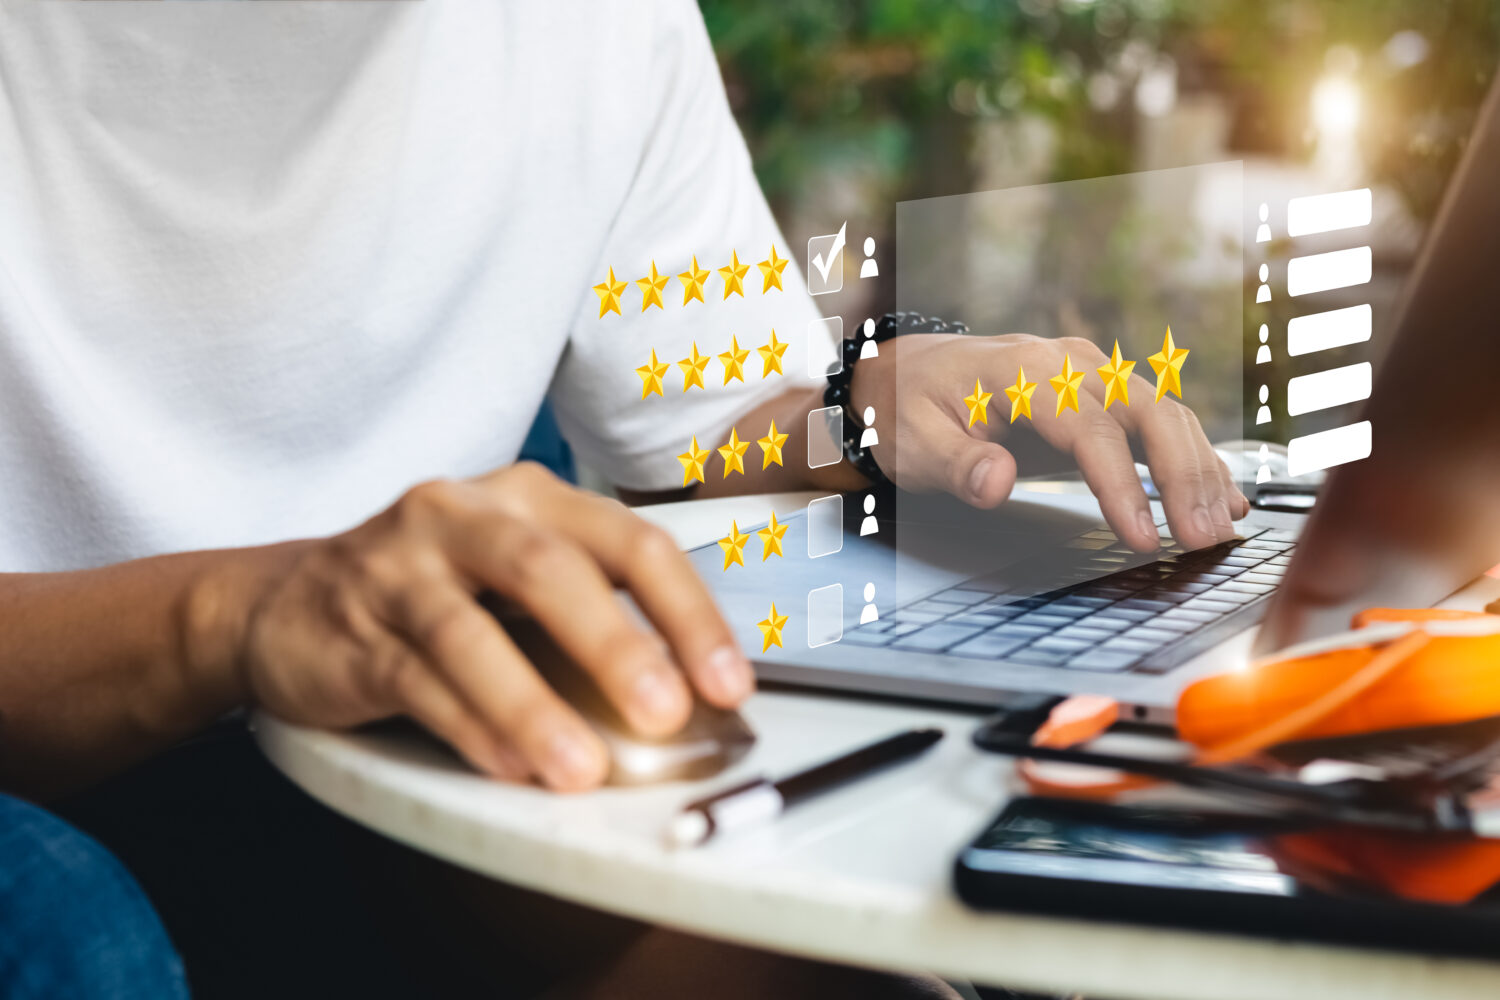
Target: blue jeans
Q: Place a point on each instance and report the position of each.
(73, 923)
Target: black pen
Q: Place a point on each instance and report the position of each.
(762, 800)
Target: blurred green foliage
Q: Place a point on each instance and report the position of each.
(892, 89)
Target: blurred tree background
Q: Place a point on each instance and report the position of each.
(890, 91)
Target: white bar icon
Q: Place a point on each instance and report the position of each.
(1323, 213)
(1333, 387)
(1326, 449)
(1320, 272)
(1325, 330)
(825, 526)
(825, 615)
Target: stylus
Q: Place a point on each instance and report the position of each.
(762, 800)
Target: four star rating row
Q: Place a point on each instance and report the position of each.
(695, 459)
(731, 275)
(1167, 364)
(694, 365)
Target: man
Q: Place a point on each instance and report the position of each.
(281, 288)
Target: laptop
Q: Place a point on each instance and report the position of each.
(950, 604)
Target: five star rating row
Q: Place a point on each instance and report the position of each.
(694, 365)
(695, 459)
(1167, 364)
(732, 275)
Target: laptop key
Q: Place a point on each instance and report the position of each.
(1126, 614)
(976, 620)
(1216, 608)
(1219, 595)
(1103, 660)
(1052, 643)
(1041, 620)
(1129, 645)
(1087, 635)
(935, 638)
(1095, 623)
(1195, 618)
(989, 646)
(1178, 625)
(933, 606)
(1058, 608)
(911, 617)
(1261, 579)
(1154, 636)
(1253, 589)
(965, 595)
(1031, 656)
(1142, 604)
(1027, 632)
(904, 628)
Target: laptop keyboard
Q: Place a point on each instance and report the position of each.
(1144, 619)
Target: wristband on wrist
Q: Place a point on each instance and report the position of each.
(840, 394)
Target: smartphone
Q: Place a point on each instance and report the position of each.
(1233, 872)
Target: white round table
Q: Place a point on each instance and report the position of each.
(861, 876)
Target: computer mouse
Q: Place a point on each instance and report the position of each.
(712, 740)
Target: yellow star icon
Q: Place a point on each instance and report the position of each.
(1066, 386)
(978, 404)
(770, 355)
(733, 361)
(1168, 367)
(770, 271)
(1020, 396)
(733, 453)
(770, 445)
(770, 538)
(693, 461)
(609, 295)
(693, 366)
(770, 628)
(651, 287)
(1116, 377)
(651, 376)
(733, 545)
(692, 282)
(733, 274)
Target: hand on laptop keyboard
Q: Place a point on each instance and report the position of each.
(933, 448)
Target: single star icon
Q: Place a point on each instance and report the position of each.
(693, 461)
(693, 366)
(770, 629)
(1020, 396)
(978, 403)
(651, 287)
(651, 376)
(1116, 376)
(733, 361)
(1168, 367)
(692, 282)
(609, 295)
(770, 538)
(770, 271)
(1066, 386)
(733, 545)
(733, 453)
(733, 274)
(770, 445)
(770, 355)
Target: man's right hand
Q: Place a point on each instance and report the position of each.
(383, 620)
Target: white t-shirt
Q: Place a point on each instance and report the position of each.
(265, 265)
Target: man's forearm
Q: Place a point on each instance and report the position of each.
(99, 668)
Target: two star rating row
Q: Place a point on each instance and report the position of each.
(1116, 375)
(733, 545)
(694, 365)
(693, 280)
(695, 460)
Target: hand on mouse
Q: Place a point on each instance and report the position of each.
(383, 620)
(936, 447)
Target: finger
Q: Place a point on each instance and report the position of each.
(483, 666)
(960, 459)
(566, 591)
(1185, 471)
(1103, 454)
(428, 699)
(644, 559)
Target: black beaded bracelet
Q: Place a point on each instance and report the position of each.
(838, 393)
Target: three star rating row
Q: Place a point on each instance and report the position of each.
(731, 275)
(695, 460)
(694, 365)
(1167, 364)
